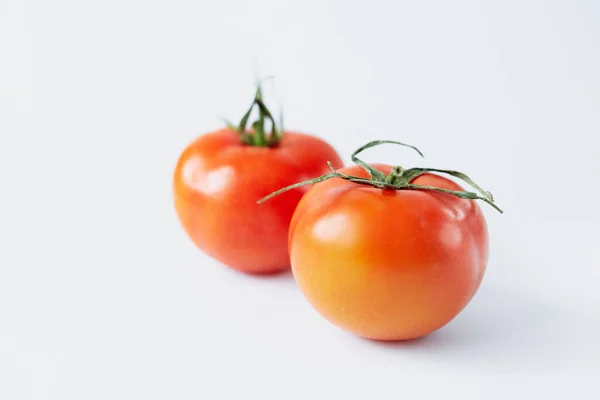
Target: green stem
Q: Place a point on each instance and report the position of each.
(374, 173)
(461, 194)
(259, 136)
(394, 175)
(296, 185)
(397, 179)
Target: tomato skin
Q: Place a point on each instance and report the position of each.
(387, 264)
(216, 185)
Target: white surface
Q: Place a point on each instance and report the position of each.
(103, 297)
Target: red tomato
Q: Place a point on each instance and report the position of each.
(218, 180)
(388, 264)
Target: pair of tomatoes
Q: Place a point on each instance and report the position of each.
(380, 251)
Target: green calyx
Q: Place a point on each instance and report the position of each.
(257, 135)
(398, 178)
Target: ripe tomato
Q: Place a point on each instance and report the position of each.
(220, 176)
(387, 264)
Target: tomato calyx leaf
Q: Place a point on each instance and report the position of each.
(257, 135)
(398, 178)
(374, 173)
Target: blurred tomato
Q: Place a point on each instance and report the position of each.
(219, 178)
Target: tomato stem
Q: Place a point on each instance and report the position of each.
(258, 135)
(394, 175)
(398, 178)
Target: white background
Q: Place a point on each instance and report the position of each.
(102, 296)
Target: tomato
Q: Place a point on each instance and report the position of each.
(388, 264)
(220, 176)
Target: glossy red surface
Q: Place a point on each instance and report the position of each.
(388, 264)
(218, 181)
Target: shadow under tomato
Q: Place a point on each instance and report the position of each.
(281, 275)
(277, 275)
(499, 324)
